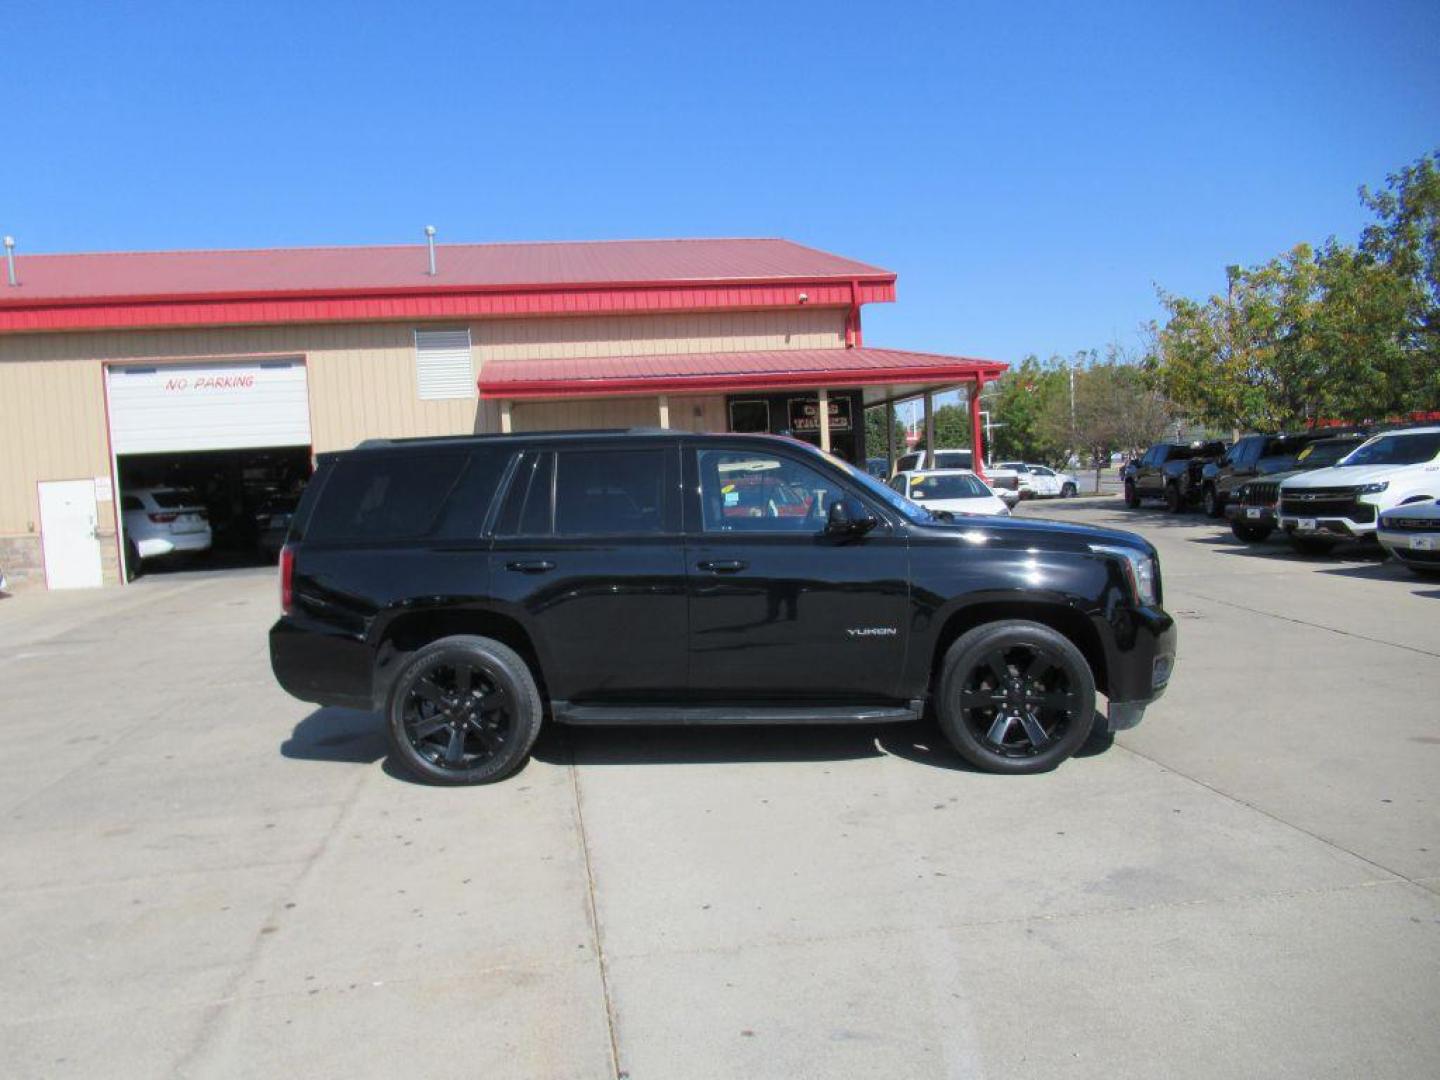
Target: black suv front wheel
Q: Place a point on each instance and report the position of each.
(1016, 697)
(463, 710)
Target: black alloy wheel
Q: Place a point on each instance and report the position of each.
(464, 710)
(1017, 697)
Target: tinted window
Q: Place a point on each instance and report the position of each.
(952, 459)
(376, 498)
(947, 486)
(907, 462)
(757, 491)
(528, 508)
(464, 513)
(609, 492)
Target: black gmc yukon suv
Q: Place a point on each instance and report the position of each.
(467, 588)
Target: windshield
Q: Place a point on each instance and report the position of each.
(1398, 449)
(947, 486)
(891, 498)
(1326, 452)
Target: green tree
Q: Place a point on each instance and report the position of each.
(1020, 399)
(875, 433)
(1116, 408)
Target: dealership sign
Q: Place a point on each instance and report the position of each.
(805, 414)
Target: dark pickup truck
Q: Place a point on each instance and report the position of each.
(1173, 472)
(1250, 457)
(470, 588)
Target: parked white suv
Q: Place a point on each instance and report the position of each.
(1320, 508)
(163, 521)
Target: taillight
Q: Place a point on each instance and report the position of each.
(163, 519)
(287, 578)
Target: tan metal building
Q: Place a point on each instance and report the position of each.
(228, 371)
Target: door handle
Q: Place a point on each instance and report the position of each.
(722, 566)
(532, 566)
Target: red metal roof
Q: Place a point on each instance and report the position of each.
(285, 285)
(722, 372)
(329, 271)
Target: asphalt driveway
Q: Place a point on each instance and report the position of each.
(200, 876)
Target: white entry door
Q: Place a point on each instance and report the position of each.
(67, 533)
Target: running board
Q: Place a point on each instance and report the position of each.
(568, 713)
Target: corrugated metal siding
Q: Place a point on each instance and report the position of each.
(361, 376)
(686, 414)
(554, 339)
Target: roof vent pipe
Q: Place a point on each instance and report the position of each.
(10, 259)
(430, 240)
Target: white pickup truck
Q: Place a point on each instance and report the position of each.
(1321, 508)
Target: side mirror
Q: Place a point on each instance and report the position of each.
(848, 517)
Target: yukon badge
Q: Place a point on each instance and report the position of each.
(871, 631)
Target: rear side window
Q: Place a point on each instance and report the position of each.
(528, 509)
(174, 498)
(372, 498)
(610, 492)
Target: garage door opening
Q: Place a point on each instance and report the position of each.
(209, 459)
(211, 509)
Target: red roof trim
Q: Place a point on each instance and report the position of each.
(442, 302)
(849, 368)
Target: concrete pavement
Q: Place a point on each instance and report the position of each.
(200, 876)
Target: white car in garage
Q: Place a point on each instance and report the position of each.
(955, 491)
(163, 521)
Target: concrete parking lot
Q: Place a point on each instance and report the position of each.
(202, 877)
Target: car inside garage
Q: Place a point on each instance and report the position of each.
(209, 460)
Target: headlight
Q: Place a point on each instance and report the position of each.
(1374, 489)
(1140, 569)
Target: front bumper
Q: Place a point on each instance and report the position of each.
(1402, 546)
(1250, 515)
(1333, 527)
(1140, 662)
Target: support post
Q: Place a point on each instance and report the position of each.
(976, 457)
(505, 417)
(929, 429)
(664, 411)
(889, 437)
(824, 420)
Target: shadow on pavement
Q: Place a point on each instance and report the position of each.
(353, 737)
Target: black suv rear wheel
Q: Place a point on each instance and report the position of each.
(463, 710)
(1016, 697)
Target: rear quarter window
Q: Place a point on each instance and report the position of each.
(375, 498)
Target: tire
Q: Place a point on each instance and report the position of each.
(1308, 545)
(1132, 497)
(1212, 503)
(444, 735)
(1067, 491)
(988, 736)
(1173, 502)
(133, 566)
(1251, 534)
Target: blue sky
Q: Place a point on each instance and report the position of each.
(1030, 171)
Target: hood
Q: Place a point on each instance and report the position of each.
(1051, 535)
(1344, 476)
(1427, 511)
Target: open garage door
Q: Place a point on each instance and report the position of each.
(231, 406)
(209, 460)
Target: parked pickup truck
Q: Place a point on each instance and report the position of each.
(1252, 507)
(471, 589)
(1173, 472)
(1321, 508)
